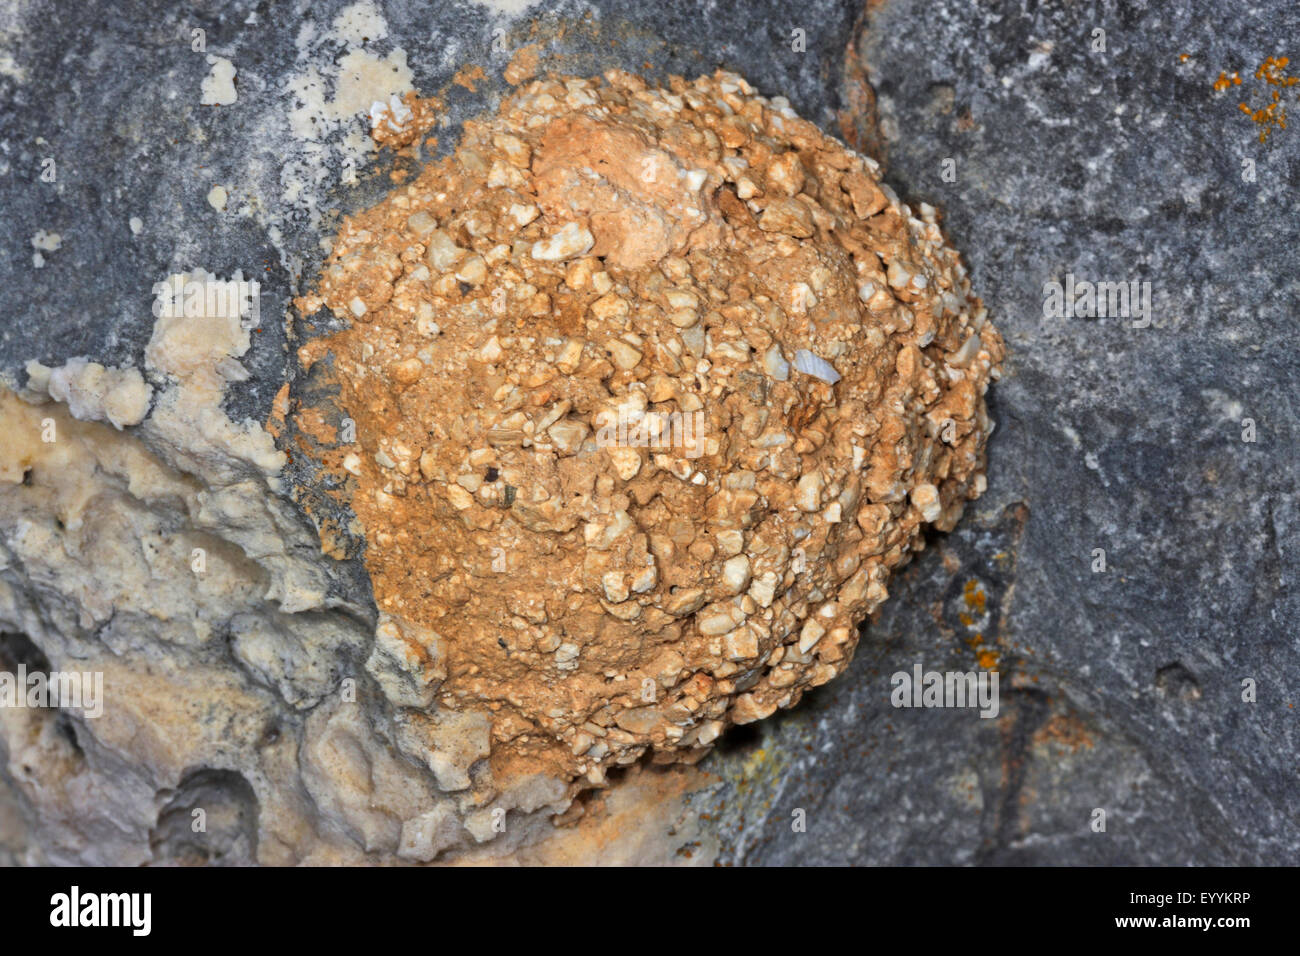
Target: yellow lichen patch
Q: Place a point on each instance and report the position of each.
(766, 768)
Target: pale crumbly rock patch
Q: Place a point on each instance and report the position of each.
(696, 255)
(92, 392)
(162, 559)
(219, 85)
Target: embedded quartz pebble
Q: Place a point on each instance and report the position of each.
(653, 388)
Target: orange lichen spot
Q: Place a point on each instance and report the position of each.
(1065, 731)
(988, 659)
(1271, 116)
(974, 597)
(470, 77)
(1224, 81)
(1184, 57)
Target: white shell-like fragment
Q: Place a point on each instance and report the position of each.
(966, 354)
(817, 367)
(775, 363)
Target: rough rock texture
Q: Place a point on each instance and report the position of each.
(652, 388)
(171, 558)
(1115, 165)
(1121, 690)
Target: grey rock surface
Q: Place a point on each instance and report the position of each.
(1121, 690)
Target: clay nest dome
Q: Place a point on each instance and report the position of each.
(652, 390)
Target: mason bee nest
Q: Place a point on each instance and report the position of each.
(652, 390)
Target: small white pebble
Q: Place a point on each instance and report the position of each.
(569, 243)
(926, 499)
